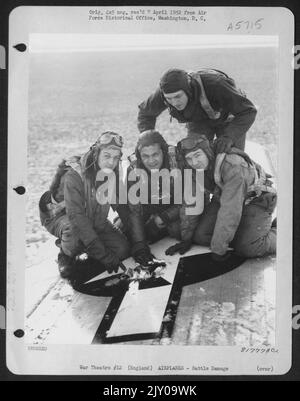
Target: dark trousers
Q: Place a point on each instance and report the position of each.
(254, 236)
(71, 245)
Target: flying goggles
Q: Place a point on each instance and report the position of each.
(189, 144)
(110, 137)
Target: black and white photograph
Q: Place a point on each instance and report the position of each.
(155, 172)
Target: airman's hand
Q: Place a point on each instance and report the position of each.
(181, 247)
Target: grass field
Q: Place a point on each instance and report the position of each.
(74, 97)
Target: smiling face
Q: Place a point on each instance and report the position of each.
(178, 99)
(109, 158)
(152, 157)
(197, 159)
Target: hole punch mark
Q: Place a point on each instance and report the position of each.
(20, 190)
(21, 47)
(19, 333)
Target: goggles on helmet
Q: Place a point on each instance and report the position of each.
(110, 137)
(188, 144)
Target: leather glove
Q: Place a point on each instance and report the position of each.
(220, 258)
(181, 247)
(223, 144)
(111, 263)
(143, 257)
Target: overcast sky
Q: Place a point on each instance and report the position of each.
(94, 42)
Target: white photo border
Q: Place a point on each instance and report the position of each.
(65, 359)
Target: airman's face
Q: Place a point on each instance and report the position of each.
(197, 159)
(109, 158)
(152, 157)
(178, 99)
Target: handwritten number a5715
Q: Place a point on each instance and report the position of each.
(245, 24)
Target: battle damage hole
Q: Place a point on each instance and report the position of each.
(20, 190)
(21, 47)
(19, 333)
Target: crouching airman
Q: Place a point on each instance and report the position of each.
(71, 212)
(239, 214)
(157, 217)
